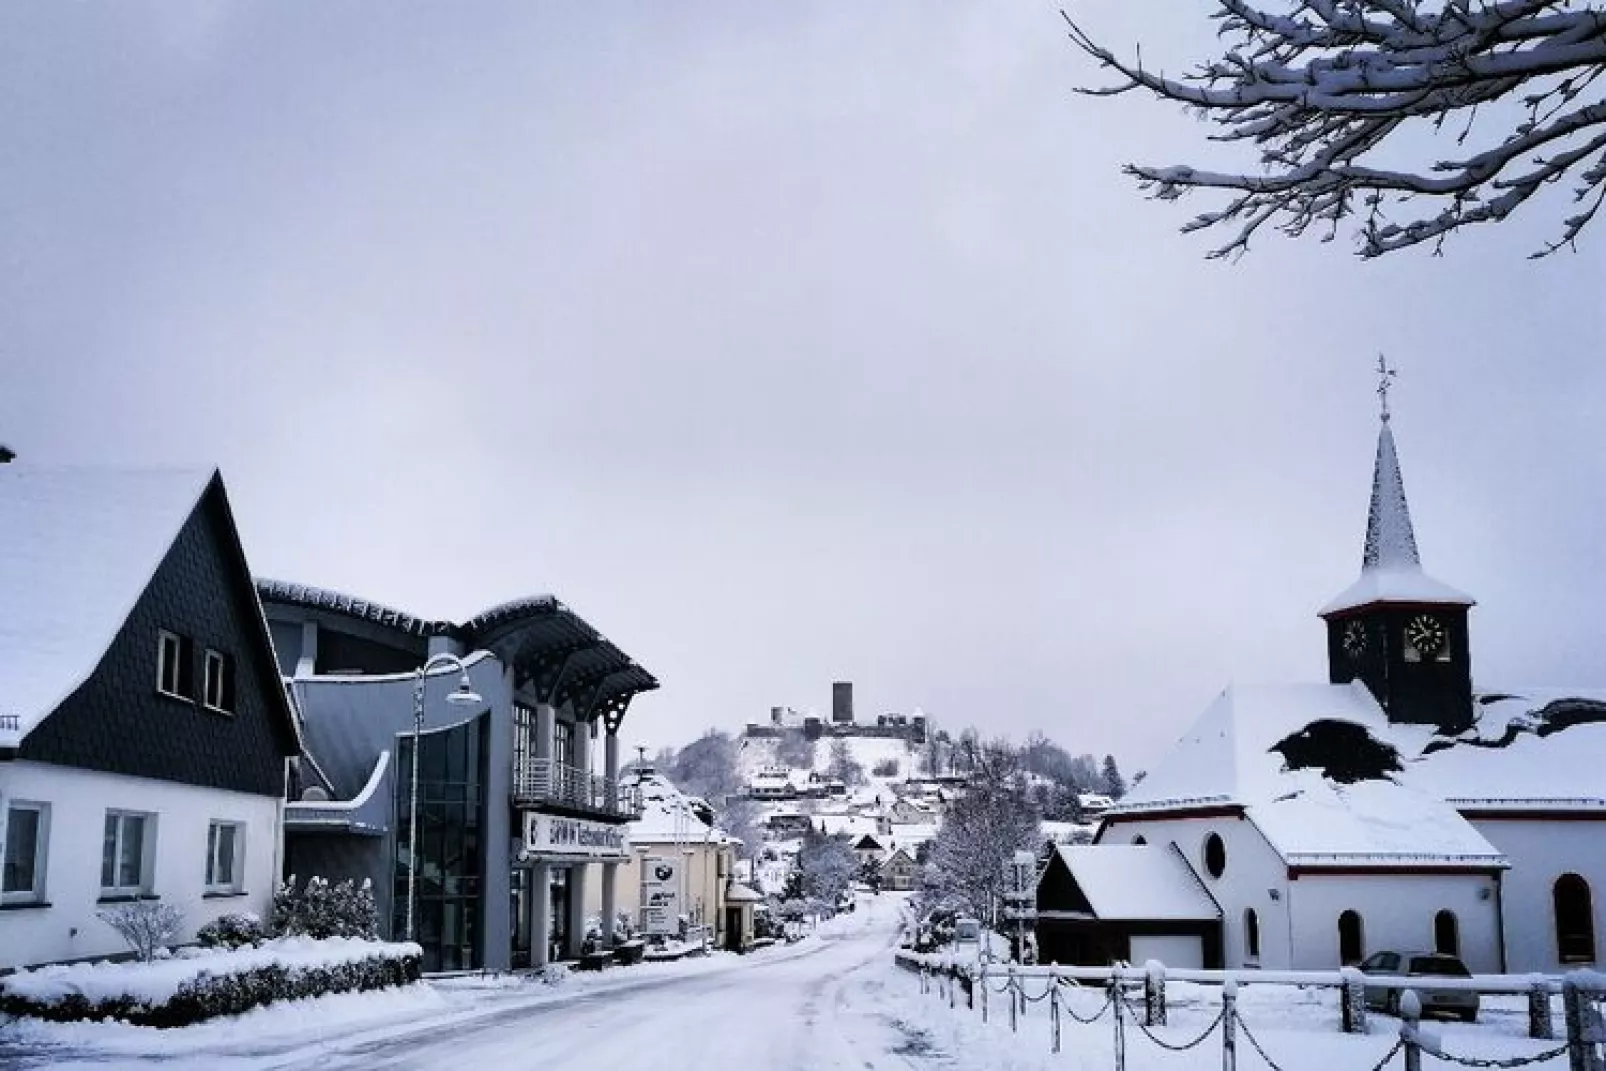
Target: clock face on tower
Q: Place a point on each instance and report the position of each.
(1354, 639)
(1427, 637)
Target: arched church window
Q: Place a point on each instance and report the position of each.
(1215, 855)
(1446, 933)
(1351, 939)
(1251, 934)
(1575, 920)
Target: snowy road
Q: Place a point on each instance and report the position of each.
(814, 1006)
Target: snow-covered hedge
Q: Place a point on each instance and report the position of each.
(199, 984)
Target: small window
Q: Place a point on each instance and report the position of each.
(175, 673)
(1251, 934)
(27, 841)
(219, 682)
(225, 842)
(125, 854)
(1351, 939)
(1446, 934)
(1215, 855)
(1140, 839)
(1575, 920)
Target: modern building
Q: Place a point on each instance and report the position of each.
(518, 814)
(144, 731)
(1393, 807)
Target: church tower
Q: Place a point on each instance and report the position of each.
(1396, 628)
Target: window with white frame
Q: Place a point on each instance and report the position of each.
(125, 854)
(175, 673)
(225, 851)
(27, 836)
(218, 682)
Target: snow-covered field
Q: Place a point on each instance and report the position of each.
(833, 1001)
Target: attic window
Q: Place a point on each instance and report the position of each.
(1215, 855)
(219, 692)
(175, 665)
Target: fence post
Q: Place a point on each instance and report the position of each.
(1583, 1025)
(1054, 1010)
(1229, 1024)
(984, 988)
(1120, 1027)
(970, 990)
(1352, 1001)
(1540, 1022)
(953, 977)
(1154, 993)
(1410, 1024)
(1012, 1001)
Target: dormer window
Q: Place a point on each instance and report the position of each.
(175, 662)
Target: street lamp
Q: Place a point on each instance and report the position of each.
(464, 695)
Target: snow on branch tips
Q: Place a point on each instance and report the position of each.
(1325, 89)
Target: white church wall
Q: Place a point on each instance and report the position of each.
(77, 801)
(1253, 872)
(1397, 912)
(1540, 852)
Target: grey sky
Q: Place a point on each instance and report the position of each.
(784, 342)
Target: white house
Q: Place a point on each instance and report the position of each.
(1392, 807)
(143, 728)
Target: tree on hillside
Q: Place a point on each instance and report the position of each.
(1335, 94)
(706, 767)
(985, 827)
(1114, 783)
(843, 766)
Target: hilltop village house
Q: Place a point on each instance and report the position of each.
(144, 732)
(1393, 807)
(514, 821)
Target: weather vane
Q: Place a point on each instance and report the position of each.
(1385, 379)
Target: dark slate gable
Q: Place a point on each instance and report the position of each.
(117, 722)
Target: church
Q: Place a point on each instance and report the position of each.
(1393, 807)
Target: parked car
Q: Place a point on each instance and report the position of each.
(1461, 1003)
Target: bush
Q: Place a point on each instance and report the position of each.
(208, 994)
(145, 924)
(231, 931)
(322, 910)
(885, 768)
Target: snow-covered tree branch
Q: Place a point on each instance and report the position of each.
(1332, 87)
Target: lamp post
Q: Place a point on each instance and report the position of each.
(465, 695)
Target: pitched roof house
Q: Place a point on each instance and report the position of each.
(144, 731)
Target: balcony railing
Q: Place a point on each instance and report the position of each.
(546, 781)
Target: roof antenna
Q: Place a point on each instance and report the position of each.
(1385, 379)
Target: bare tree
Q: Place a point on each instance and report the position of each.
(989, 823)
(1331, 87)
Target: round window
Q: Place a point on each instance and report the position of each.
(1215, 855)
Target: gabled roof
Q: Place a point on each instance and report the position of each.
(1391, 567)
(78, 548)
(1136, 882)
(1228, 758)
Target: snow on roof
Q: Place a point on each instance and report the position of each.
(1404, 585)
(668, 814)
(1540, 749)
(1227, 758)
(1133, 881)
(81, 545)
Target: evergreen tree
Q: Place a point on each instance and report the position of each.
(1114, 783)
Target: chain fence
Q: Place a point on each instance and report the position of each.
(1584, 999)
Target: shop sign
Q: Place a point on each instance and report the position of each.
(660, 896)
(550, 834)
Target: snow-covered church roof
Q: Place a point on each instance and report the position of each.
(1391, 567)
(80, 547)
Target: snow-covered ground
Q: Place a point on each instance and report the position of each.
(833, 1001)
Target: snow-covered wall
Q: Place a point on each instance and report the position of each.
(78, 800)
(1540, 852)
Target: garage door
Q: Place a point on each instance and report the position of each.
(1172, 951)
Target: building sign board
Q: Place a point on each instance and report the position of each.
(660, 896)
(556, 835)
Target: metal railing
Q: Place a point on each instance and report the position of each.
(551, 782)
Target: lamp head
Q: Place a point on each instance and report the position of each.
(465, 695)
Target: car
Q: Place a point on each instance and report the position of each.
(1459, 1003)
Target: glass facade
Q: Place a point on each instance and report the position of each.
(451, 823)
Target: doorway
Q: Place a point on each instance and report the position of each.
(733, 929)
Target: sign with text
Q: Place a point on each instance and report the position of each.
(660, 896)
(554, 835)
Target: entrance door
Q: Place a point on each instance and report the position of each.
(519, 890)
(733, 929)
(560, 911)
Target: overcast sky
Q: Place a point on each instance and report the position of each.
(786, 343)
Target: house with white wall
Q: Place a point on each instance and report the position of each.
(1395, 806)
(144, 731)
